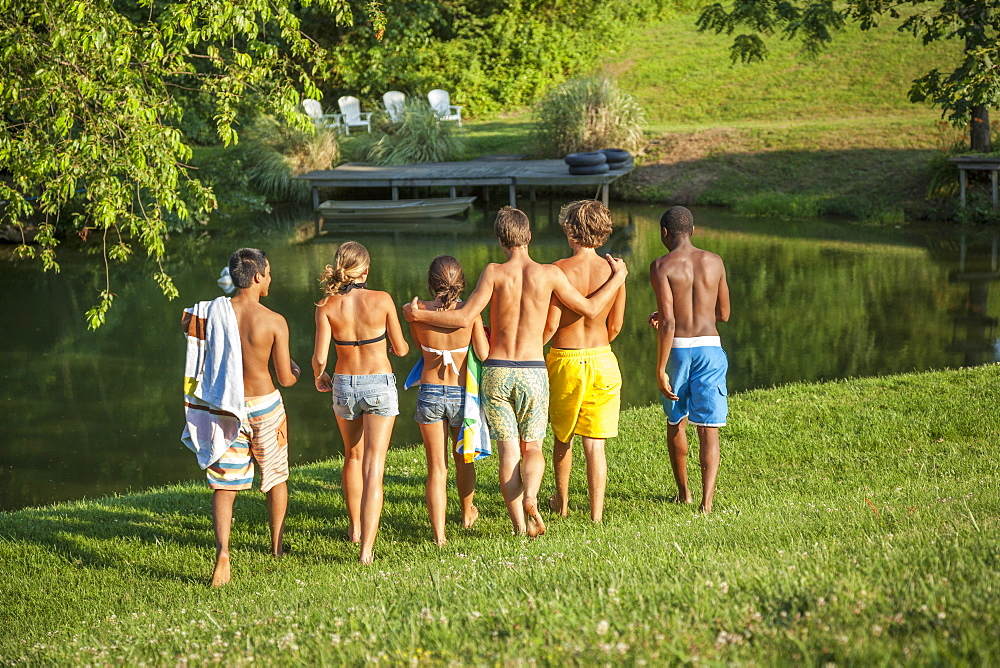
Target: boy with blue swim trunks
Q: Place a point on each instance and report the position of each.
(691, 296)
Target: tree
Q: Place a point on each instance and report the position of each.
(91, 94)
(964, 95)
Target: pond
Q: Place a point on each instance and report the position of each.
(91, 413)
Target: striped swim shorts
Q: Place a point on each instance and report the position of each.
(263, 439)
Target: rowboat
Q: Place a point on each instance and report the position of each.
(395, 209)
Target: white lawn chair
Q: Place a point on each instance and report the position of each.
(442, 106)
(394, 102)
(314, 110)
(350, 107)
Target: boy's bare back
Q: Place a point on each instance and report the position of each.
(585, 272)
(693, 281)
(263, 334)
(522, 289)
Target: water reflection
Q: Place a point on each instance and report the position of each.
(87, 414)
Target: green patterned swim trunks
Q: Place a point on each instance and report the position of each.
(516, 399)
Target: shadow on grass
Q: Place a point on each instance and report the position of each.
(858, 183)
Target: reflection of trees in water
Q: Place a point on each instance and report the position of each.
(89, 412)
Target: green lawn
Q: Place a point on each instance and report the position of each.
(856, 523)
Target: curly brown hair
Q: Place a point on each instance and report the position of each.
(446, 280)
(512, 227)
(586, 222)
(351, 262)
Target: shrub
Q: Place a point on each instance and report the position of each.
(274, 153)
(587, 114)
(420, 137)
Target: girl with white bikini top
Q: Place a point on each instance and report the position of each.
(441, 399)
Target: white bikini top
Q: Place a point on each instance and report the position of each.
(446, 355)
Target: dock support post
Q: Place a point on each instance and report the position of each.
(451, 193)
(319, 218)
(961, 185)
(395, 192)
(531, 193)
(513, 195)
(604, 194)
(993, 176)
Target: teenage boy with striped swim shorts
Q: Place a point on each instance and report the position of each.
(263, 435)
(584, 379)
(515, 383)
(691, 296)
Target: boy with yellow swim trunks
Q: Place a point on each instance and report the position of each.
(584, 380)
(515, 385)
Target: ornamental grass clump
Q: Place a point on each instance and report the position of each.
(419, 137)
(587, 114)
(275, 153)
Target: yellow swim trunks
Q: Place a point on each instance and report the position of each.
(585, 388)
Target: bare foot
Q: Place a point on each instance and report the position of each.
(705, 509)
(682, 499)
(441, 542)
(220, 577)
(555, 505)
(353, 537)
(367, 559)
(467, 522)
(535, 525)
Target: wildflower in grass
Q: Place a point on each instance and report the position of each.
(602, 627)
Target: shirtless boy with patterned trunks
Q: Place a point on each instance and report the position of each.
(515, 384)
(264, 436)
(691, 296)
(584, 379)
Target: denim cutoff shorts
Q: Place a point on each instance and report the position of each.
(374, 393)
(440, 402)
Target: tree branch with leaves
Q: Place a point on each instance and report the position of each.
(91, 95)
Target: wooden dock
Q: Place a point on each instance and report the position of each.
(482, 172)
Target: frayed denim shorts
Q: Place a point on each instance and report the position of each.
(440, 402)
(355, 395)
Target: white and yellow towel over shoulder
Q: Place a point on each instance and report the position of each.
(213, 379)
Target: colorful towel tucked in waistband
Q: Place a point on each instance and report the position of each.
(213, 379)
(474, 441)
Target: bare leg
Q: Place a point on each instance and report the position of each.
(677, 444)
(435, 441)
(465, 480)
(532, 470)
(562, 463)
(708, 456)
(378, 431)
(351, 478)
(597, 475)
(510, 483)
(277, 506)
(222, 517)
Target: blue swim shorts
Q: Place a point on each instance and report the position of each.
(697, 369)
(356, 395)
(440, 402)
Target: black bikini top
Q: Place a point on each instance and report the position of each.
(363, 342)
(351, 286)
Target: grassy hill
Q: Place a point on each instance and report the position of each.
(792, 136)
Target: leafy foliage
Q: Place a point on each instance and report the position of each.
(92, 94)
(587, 114)
(492, 56)
(420, 137)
